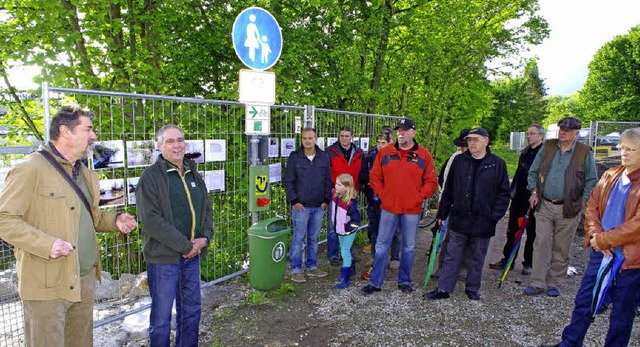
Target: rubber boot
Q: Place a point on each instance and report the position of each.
(344, 278)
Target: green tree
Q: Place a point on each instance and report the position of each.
(612, 91)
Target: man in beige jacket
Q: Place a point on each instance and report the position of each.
(51, 222)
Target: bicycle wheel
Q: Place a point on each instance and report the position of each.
(429, 211)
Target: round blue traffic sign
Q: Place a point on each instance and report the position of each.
(257, 38)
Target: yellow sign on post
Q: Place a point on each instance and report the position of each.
(259, 188)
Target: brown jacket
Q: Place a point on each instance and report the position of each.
(626, 234)
(37, 206)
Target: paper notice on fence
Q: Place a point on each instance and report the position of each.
(364, 143)
(273, 147)
(331, 140)
(275, 172)
(215, 150)
(320, 143)
(214, 180)
(288, 146)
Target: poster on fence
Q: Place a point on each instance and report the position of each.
(273, 147)
(364, 143)
(141, 153)
(215, 150)
(331, 140)
(288, 146)
(214, 180)
(194, 150)
(132, 184)
(320, 143)
(112, 192)
(108, 154)
(275, 172)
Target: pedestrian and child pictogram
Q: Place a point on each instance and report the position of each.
(257, 38)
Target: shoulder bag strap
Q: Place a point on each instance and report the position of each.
(69, 180)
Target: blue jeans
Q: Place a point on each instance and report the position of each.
(373, 212)
(389, 222)
(624, 294)
(179, 282)
(306, 223)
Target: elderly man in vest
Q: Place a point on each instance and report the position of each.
(561, 178)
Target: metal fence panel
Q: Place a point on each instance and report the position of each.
(126, 124)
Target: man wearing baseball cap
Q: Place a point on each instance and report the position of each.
(560, 179)
(475, 198)
(402, 176)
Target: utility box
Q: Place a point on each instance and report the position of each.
(268, 240)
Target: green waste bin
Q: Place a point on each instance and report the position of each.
(267, 253)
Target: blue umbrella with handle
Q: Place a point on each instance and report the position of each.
(609, 267)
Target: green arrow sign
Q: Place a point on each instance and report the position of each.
(253, 112)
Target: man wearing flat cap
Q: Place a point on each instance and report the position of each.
(402, 176)
(561, 178)
(475, 198)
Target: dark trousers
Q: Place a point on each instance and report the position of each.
(519, 209)
(458, 246)
(624, 298)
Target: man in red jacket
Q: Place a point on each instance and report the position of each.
(402, 175)
(345, 158)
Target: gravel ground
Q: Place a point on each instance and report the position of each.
(314, 314)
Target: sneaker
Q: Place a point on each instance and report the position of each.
(526, 270)
(436, 294)
(366, 249)
(317, 273)
(553, 292)
(298, 277)
(367, 274)
(394, 264)
(533, 291)
(472, 295)
(335, 262)
(406, 288)
(369, 288)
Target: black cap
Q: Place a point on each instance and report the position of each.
(477, 132)
(460, 141)
(406, 124)
(571, 123)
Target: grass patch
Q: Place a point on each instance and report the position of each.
(258, 297)
(510, 157)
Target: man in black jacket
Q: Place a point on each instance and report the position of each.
(475, 198)
(520, 202)
(307, 182)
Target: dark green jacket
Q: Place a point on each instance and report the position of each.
(162, 242)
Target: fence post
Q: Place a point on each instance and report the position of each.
(47, 111)
(309, 116)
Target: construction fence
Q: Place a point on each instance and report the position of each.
(126, 124)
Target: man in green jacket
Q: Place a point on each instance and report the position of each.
(52, 228)
(177, 217)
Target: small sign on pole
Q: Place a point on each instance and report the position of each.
(257, 119)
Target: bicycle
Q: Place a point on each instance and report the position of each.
(429, 211)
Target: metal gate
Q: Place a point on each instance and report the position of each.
(125, 126)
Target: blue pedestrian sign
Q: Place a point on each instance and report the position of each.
(257, 38)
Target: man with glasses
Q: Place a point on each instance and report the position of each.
(560, 179)
(520, 202)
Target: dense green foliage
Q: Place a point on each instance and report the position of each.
(612, 90)
(425, 60)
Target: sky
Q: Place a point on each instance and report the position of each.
(578, 29)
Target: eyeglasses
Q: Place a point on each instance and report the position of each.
(627, 149)
(533, 134)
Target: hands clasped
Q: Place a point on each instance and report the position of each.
(126, 223)
(198, 245)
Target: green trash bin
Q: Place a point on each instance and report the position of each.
(268, 241)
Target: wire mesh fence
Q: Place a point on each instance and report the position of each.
(126, 124)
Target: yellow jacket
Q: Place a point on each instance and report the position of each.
(37, 206)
